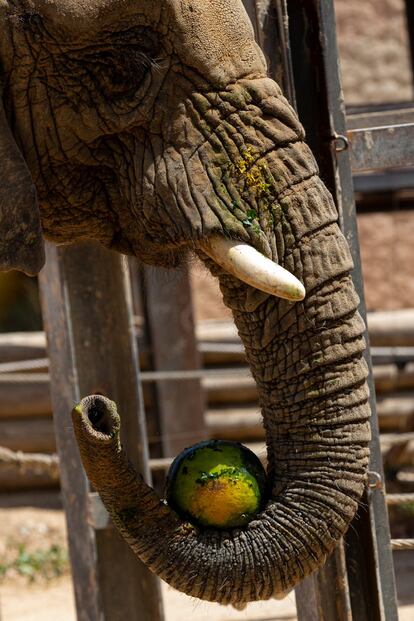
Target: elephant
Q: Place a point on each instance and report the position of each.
(153, 128)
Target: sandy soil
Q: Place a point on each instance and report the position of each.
(53, 600)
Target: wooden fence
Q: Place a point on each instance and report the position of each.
(230, 394)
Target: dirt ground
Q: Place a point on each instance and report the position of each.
(40, 528)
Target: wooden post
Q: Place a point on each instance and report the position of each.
(324, 595)
(87, 312)
(171, 332)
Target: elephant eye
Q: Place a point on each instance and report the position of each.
(122, 72)
(122, 66)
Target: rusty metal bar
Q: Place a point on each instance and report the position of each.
(382, 147)
(313, 66)
(322, 596)
(379, 116)
(388, 187)
(380, 601)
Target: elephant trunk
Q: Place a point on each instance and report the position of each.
(306, 358)
(307, 361)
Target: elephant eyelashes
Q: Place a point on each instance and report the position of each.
(121, 73)
(31, 22)
(122, 68)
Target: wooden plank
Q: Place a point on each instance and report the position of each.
(395, 414)
(217, 331)
(140, 599)
(27, 395)
(106, 356)
(171, 331)
(237, 421)
(235, 424)
(22, 346)
(395, 411)
(23, 471)
(389, 378)
(224, 390)
(323, 596)
(97, 315)
(219, 339)
(397, 450)
(36, 365)
(28, 480)
(65, 392)
(31, 435)
(391, 328)
(399, 455)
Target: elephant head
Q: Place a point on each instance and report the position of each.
(153, 128)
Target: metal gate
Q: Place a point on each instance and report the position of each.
(81, 306)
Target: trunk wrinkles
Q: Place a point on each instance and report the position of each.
(307, 361)
(317, 447)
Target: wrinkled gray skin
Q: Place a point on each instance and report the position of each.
(150, 126)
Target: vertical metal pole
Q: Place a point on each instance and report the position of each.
(322, 111)
(92, 347)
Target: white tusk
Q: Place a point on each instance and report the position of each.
(253, 268)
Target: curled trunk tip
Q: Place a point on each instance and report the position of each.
(98, 417)
(96, 424)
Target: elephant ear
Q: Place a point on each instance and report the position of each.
(21, 241)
